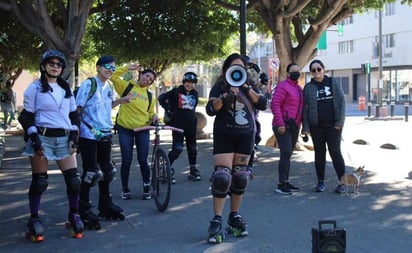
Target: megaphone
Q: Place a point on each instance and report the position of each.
(236, 75)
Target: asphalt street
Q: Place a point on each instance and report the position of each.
(378, 219)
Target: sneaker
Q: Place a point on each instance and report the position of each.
(194, 174)
(126, 194)
(283, 189)
(292, 187)
(321, 187)
(146, 192)
(340, 188)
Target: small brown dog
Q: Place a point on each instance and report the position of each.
(353, 180)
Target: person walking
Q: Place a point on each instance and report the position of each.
(51, 123)
(233, 141)
(8, 104)
(181, 104)
(287, 109)
(95, 101)
(323, 119)
(138, 113)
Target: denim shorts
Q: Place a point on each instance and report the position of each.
(55, 148)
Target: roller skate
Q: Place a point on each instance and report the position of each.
(90, 219)
(194, 174)
(237, 226)
(108, 210)
(215, 230)
(75, 225)
(35, 230)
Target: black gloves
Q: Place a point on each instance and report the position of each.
(35, 142)
(264, 79)
(74, 136)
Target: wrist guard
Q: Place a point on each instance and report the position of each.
(35, 142)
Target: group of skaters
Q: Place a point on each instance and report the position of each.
(60, 123)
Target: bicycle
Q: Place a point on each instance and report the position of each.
(160, 167)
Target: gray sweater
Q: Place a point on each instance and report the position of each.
(310, 111)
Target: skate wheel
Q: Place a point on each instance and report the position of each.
(216, 238)
(34, 238)
(121, 216)
(78, 235)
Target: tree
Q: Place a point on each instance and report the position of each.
(18, 50)
(159, 33)
(59, 24)
(286, 21)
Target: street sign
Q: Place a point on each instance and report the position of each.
(274, 63)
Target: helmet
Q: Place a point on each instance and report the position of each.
(189, 77)
(52, 53)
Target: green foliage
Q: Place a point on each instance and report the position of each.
(159, 33)
(19, 48)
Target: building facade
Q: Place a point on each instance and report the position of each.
(390, 77)
(390, 74)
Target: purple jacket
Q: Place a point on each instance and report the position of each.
(287, 103)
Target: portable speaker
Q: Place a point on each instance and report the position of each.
(332, 240)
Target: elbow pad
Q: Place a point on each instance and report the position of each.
(209, 108)
(262, 103)
(26, 119)
(75, 118)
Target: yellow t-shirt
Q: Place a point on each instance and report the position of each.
(136, 113)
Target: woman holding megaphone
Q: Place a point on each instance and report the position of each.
(232, 101)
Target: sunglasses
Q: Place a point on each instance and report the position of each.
(109, 67)
(316, 70)
(55, 64)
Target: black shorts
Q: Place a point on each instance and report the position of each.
(233, 143)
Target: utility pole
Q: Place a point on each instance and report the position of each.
(243, 27)
(380, 80)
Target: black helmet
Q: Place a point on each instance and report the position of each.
(189, 77)
(52, 53)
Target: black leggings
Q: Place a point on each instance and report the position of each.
(332, 138)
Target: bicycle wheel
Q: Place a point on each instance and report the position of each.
(161, 179)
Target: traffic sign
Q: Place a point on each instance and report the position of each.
(274, 63)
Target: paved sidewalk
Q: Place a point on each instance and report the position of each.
(378, 219)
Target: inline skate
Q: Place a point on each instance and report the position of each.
(90, 219)
(194, 174)
(215, 230)
(35, 230)
(237, 226)
(75, 225)
(108, 210)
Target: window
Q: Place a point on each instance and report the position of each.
(347, 21)
(389, 40)
(389, 9)
(345, 47)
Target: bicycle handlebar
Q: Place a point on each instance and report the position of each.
(158, 127)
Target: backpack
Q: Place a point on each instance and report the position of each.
(92, 91)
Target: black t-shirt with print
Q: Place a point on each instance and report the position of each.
(326, 113)
(234, 120)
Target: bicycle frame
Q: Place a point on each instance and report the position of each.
(160, 167)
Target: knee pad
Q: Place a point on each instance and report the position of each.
(221, 181)
(73, 181)
(92, 176)
(240, 179)
(108, 174)
(38, 184)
